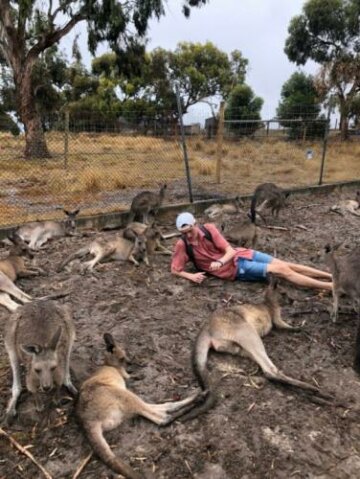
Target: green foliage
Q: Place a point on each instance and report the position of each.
(7, 123)
(300, 101)
(243, 105)
(328, 32)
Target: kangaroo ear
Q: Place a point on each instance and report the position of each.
(66, 212)
(109, 342)
(31, 349)
(55, 339)
(76, 212)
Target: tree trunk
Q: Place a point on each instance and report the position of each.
(344, 127)
(35, 143)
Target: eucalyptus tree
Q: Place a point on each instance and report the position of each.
(29, 27)
(328, 32)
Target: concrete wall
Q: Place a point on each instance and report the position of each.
(170, 211)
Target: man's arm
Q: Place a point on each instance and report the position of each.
(178, 262)
(229, 253)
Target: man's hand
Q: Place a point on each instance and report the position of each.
(198, 277)
(215, 265)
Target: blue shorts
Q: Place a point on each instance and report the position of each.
(255, 269)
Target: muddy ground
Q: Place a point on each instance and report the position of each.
(258, 429)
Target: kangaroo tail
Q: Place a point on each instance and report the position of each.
(102, 449)
(209, 403)
(80, 253)
(253, 208)
(199, 358)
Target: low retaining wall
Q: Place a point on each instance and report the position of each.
(119, 219)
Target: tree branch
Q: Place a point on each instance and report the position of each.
(50, 38)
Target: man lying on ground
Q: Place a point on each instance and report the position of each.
(211, 253)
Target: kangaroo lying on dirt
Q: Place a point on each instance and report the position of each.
(238, 330)
(104, 403)
(145, 203)
(217, 210)
(348, 206)
(118, 248)
(152, 234)
(40, 335)
(270, 196)
(38, 233)
(13, 267)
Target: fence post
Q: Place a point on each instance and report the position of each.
(326, 134)
(183, 144)
(66, 138)
(220, 138)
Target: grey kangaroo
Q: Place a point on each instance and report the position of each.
(13, 267)
(118, 248)
(145, 203)
(238, 330)
(243, 234)
(346, 281)
(38, 233)
(105, 402)
(217, 210)
(40, 335)
(269, 196)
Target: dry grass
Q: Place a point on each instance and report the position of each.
(110, 162)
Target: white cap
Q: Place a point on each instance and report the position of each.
(184, 219)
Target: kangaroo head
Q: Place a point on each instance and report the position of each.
(70, 222)
(115, 355)
(19, 248)
(44, 361)
(140, 247)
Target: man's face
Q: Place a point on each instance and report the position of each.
(187, 230)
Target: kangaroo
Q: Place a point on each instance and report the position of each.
(145, 203)
(244, 234)
(118, 248)
(40, 335)
(217, 210)
(238, 330)
(345, 271)
(152, 234)
(13, 267)
(348, 206)
(38, 233)
(105, 402)
(270, 196)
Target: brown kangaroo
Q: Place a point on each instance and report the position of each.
(105, 402)
(238, 330)
(217, 209)
(346, 281)
(152, 234)
(145, 203)
(118, 248)
(13, 267)
(38, 233)
(39, 335)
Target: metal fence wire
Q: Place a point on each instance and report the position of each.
(98, 161)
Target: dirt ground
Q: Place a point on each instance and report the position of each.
(258, 429)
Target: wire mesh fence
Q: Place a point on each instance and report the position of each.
(99, 161)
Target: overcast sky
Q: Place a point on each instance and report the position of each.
(258, 28)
